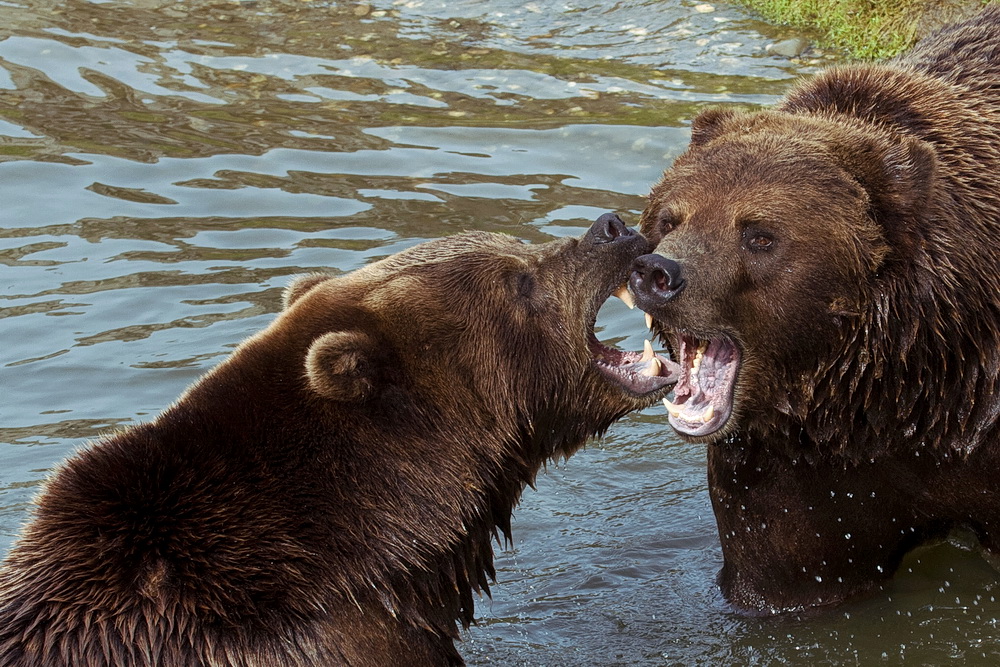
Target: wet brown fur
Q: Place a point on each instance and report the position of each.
(329, 494)
(866, 409)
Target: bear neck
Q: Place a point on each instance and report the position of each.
(402, 507)
(906, 376)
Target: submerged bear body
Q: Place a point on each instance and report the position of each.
(827, 274)
(329, 494)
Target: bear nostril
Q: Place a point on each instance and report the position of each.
(657, 275)
(660, 280)
(609, 227)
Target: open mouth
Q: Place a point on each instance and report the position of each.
(703, 396)
(639, 373)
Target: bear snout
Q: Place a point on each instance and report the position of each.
(656, 278)
(607, 229)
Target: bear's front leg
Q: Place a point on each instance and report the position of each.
(799, 534)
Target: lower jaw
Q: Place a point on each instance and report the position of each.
(695, 431)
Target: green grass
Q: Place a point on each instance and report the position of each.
(866, 29)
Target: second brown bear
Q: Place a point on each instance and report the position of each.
(827, 274)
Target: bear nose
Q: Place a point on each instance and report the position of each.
(608, 228)
(656, 276)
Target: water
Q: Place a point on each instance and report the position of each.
(167, 167)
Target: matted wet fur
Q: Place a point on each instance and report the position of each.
(830, 268)
(329, 494)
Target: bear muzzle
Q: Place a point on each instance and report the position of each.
(655, 279)
(608, 228)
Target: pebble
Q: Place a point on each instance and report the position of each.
(789, 48)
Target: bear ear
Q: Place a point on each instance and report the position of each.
(300, 286)
(710, 123)
(900, 181)
(910, 170)
(343, 365)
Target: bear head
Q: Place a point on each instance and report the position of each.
(770, 234)
(478, 331)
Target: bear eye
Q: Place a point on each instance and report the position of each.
(756, 240)
(667, 222)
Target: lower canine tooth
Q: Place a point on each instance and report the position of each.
(623, 294)
(673, 409)
(647, 351)
(707, 415)
(654, 368)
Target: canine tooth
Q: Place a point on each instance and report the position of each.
(707, 415)
(623, 294)
(647, 351)
(673, 409)
(654, 368)
(649, 321)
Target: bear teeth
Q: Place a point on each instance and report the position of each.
(676, 411)
(654, 368)
(626, 296)
(696, 362)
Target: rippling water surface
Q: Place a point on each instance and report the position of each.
(167, 167)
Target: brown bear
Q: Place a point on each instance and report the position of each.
(827, 272)
(329, 494)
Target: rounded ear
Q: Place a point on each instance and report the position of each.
(910, 170)
(711, 123)
(300, 286)
(900, 180)
(343, 365)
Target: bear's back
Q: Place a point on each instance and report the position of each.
(965, 53)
